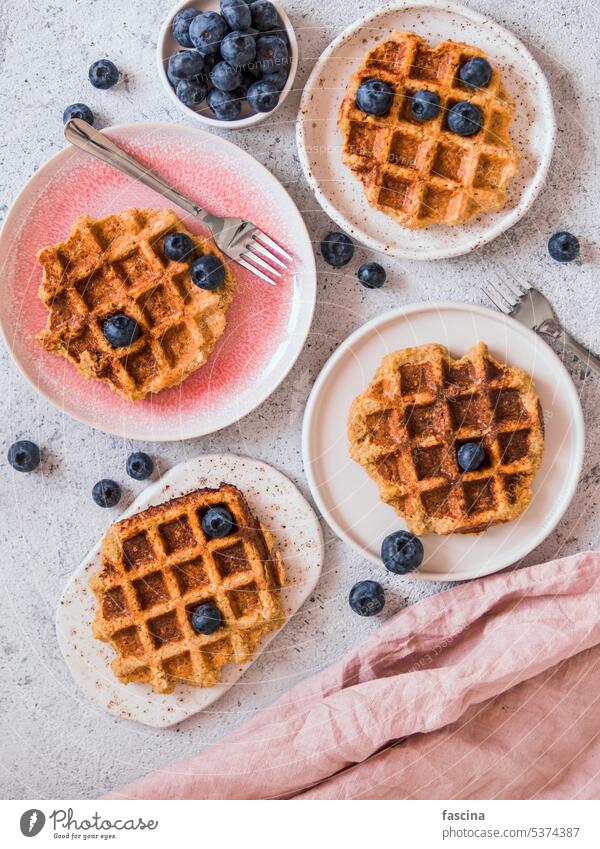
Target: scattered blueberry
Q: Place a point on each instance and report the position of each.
(177, 246)
(337, 249)
(264, 15)
(367, 598)
(208, 272)
(185, 65)
(563, 247)
(402, 552)
(120, 330)
(271, 53)
(191, 92)
(238, 48)
(103, 74)
(106, 493)
(206, 619)
(225, 106)
(374, 97)
(476, 72)
(278, 78)
(263, 96)
(424, 105)
(237, 14)
(217, 522)
(78, 110)
(470, 456)
(465, 119)
(371, 275)
(180, 26)
(225, 77)
(24, 455)
(207, 31)
(139, 466)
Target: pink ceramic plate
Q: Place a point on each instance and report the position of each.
(266, 325)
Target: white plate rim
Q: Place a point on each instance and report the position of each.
(308, 303)
(494, 230)
(402, 312)
(151, 495)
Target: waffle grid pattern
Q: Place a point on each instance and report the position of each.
(420, 407)
(421, 173)
(116, 264)
(158, 565)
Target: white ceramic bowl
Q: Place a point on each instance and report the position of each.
(167, 45)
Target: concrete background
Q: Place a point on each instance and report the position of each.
(54, 744)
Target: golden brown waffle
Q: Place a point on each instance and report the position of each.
(158, 565)
(117, 264)
(421, 173)
(420, 407)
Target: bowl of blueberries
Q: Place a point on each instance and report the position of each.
(227, 62)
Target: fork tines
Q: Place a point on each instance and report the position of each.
(506, 292)
(261, 261)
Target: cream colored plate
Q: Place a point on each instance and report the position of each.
(282, 508)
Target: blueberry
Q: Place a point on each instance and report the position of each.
(337, 249)
(78, 110)
(238, 48)
(207, 31)
(24, 455)
(371, 275)
(402, 552)
(563, 247)
(465, 119)
(374, 97)
(139, 466)
(106, 493)
(278, 78)
(470, 456)
(225, 105)
(103, 74)
(191, 92)
(264, 15)
(476, 72)
(206, 619)
(225, 77)
(208, 272)
(237, 14)
(177, 246)
(271, 53)
(217, 522)
(180, 26)
(424, 105)
(185, 65)
(262, 96)
(367, 598)
(120, 330)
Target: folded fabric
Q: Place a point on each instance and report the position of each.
(488, 690)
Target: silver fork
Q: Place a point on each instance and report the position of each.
(240, 240)
(516, 297)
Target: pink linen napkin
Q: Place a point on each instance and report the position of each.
(488, 690)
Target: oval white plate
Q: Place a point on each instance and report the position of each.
(167, 45)
(320, 143)
(282, 508)
(348, 498)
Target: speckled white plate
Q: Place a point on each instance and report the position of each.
(320, 142)
(347, 497)
(283, 509)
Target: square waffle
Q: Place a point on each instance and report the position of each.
(116, 264)
(421, 173)
(420, 407)
(158, 565)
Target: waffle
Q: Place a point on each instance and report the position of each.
(117, 264)
(420, 407)
(421, 173)
(158, 565)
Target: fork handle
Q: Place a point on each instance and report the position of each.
(580, 351)
(84, 136)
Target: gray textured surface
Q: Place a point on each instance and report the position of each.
(53, 743)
